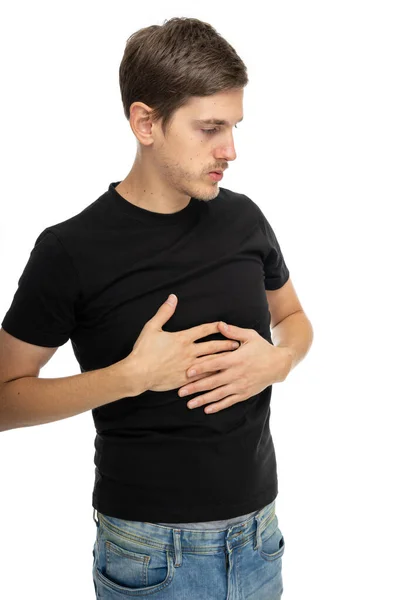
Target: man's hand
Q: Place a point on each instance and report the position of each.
(243, 373)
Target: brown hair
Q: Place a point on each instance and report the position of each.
(164, 65)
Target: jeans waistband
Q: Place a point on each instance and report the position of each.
(170, 538)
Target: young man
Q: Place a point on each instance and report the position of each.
(185, 497)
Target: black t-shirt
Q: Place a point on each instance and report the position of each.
(96, 279)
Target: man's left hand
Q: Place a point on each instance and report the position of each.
(242, 373)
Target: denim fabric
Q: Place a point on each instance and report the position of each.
(221, 524)
(133, 559)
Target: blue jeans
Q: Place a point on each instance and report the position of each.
(133, 559)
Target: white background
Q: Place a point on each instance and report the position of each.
(319, 152)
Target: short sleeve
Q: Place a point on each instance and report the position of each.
(42, 311)
(276, 272)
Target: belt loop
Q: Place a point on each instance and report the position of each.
(94, 519)
(177, 547)
(257, 536)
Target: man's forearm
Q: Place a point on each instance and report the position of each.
(294, 333)
(28, 401)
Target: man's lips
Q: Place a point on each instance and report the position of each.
(216, 176)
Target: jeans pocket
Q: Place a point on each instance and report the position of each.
(94, 552)
(126, 566)
(272, 541)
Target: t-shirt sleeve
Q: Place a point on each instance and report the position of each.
(276, 272)
(43, 310)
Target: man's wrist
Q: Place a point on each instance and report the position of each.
(289, 359)
(131, 376)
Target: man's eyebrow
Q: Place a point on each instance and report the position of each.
(213, 121)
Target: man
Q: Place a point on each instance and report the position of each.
(185, 496)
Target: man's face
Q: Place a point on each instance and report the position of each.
(193, 148)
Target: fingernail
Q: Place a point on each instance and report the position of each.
(192, 372)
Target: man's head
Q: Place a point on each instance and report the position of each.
(173, 78)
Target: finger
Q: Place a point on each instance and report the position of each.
(205, 383)
(214, 347)
(214, 395)
(214, 363)
(202, 376)
(225, 403)
(200, 331)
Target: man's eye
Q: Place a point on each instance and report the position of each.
(210, 131)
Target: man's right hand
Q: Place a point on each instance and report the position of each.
(164, 357)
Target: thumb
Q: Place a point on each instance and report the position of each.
(165, 311)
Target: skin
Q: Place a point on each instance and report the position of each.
(169, 170)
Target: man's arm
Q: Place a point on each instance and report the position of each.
(295, 333)
(28, 401)
(290, 327)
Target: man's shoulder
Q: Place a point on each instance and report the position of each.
(240, 202)
(85, 221)
(238, 197)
